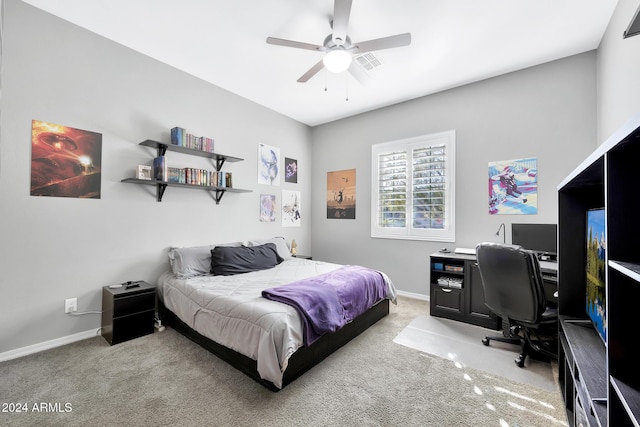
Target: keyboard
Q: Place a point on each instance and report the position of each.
(465, 251)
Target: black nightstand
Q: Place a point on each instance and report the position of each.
(128, 311)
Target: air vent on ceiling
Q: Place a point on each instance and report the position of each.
(368, 61)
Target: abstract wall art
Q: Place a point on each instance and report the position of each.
(268, 165)
(267, 208)
(290, 170)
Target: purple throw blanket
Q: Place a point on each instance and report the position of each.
(331, 300)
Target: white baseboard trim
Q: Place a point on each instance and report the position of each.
(58, 342)
(413, 295)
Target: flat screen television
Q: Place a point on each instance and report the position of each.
(540, 238)
(595, 270)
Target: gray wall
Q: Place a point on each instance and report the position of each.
(618, 76)
(55, 248)
(548, 111)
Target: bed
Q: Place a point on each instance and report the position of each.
(238, 314)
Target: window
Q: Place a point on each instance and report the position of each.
(412, 188)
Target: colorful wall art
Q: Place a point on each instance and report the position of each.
(290, 170)
(267, 207)
(65, 162)
(513, 187)
(341, 194)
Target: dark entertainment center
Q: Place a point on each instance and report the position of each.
(599, 378)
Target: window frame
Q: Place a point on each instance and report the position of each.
(447, 234)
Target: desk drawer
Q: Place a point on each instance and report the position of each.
(447, 302)
(448, 298)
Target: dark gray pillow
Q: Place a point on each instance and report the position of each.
(226, 261)
(192, 261)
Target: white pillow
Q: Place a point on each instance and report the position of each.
(281, 246)
(193, 260)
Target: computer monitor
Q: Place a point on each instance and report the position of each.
(540, 238)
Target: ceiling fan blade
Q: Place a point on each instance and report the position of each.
(291, 43)
(312, 72)
(341, 12)
(382, 43)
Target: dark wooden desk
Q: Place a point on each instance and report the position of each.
(549, 272)
(456, 290)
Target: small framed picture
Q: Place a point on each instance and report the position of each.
(143, 172)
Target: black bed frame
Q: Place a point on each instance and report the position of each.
(300, 362)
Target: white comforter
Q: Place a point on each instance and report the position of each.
(231, 311)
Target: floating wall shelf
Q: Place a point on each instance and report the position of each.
(161, 186)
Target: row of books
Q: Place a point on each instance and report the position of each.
(191, 176)
(202, 177)
(182, 138)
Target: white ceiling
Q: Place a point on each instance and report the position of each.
(454, 42)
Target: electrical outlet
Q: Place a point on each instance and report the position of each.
(70, 305)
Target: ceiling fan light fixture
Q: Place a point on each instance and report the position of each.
(337, 60)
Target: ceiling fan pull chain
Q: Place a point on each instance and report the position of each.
(346, 86)
(325, 80)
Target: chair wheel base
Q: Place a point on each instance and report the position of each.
(520, 361)
(485, 341)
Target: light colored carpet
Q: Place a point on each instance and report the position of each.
(462, 343)
(163, 379)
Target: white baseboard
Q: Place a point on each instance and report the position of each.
(36, 348)
(413, 295)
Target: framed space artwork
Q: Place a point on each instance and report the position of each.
(65, 161)
(513, 187)
(290, 170)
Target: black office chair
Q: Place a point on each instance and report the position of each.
(513, 290)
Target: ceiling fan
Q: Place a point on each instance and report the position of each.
(337, 46)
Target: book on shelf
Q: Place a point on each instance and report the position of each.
(190, 176)
(176, 136)
(182, 138)
(194, 176)
(160, 171)
(176, 175)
